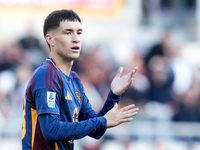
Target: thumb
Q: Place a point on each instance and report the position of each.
(115, 107)
(119, 72)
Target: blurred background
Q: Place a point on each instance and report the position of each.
(161, 37)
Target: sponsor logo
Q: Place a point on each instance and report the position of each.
(68, 97)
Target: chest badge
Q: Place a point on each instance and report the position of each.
(78, 95)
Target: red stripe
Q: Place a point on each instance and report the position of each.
(54, 80)
(40, 143)
(47, 75)
(76, 79)
(51, 77)
(29, 92)
(72, 73)
(60, 83)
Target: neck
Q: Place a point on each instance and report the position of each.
(64, 65)
(65, 68)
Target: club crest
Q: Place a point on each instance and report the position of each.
(78, 95)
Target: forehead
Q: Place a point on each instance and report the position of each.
(74, 25)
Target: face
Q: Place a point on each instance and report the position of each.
(66, 40)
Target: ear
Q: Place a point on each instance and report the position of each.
(49, 39)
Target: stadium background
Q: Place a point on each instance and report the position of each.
(116, 33)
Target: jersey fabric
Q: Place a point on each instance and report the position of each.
(56, 110)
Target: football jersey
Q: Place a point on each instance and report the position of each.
(50, 91)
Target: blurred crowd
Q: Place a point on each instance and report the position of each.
(165, 79)
(166, 86)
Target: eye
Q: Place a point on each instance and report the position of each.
(67, 33)
(79, 33)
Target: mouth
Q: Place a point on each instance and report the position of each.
(75, 48)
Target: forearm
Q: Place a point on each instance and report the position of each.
(111, 100)
(55, 130)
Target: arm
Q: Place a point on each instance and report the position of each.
(111, 100)
(55, 130)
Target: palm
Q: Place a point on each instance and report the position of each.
(121, 83)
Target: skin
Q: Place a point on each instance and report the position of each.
(65, 46)
(62, 41)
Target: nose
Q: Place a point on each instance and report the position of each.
(76, 38)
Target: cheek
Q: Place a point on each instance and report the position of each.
(61, 43)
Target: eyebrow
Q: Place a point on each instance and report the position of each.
(72, 30)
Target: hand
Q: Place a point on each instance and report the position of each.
(120, 84)
(117, 116)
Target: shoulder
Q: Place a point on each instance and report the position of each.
(74, 75)
(76, 79)
(46, 76)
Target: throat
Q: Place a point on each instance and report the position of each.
(65, 68)
(63, 64)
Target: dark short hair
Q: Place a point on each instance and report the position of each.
(53, 20)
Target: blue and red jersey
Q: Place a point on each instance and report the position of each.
(56, 110)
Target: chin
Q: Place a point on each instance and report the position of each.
(75, 56)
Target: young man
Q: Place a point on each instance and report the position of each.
(56, 110)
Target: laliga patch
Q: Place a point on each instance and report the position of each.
(51, 98)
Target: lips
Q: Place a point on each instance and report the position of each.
(75, 48)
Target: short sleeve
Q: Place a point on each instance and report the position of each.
(46, 101)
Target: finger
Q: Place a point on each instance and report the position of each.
(128, 117)
(130, 76)
(132, 110)
(119, 72)
(129, 113)
(127, 107)
(134, 72)
(126, 120)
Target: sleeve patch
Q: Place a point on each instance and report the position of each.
(51, 98)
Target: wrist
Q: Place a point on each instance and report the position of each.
(114, 96)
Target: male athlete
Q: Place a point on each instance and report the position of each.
(56, 110)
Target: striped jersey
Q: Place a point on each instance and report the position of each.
(50, 91)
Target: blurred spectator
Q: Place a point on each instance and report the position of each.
(188, 108)
(23, 73)
(35, 53)
(30, 42)
(7, 84)
(11, 56)
(161, 79)
(164, 47)
(137, 93)
(98, 70)
(12, 87)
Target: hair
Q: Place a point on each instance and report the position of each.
(53, 20)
